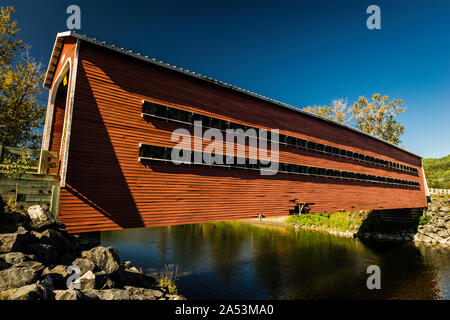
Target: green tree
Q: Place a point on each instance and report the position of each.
(437, 172)
(20, 78)
(379, 117)
(338, 111)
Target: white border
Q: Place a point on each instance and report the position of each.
(69, 116)
(51, 104)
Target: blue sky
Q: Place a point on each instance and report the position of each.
(298, 52)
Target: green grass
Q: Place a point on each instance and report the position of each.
(339, 221)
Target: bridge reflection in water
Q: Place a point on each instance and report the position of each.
(235, 260)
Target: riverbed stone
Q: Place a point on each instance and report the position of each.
(16, 257)
(87, 281)
(45, 253)
(140, 293)
(41, 217)
(59, 269)
(55, 238)
(13, 241)
(21, 274)
(84, 264)
(103, 280)
(108, 294)
(27, 292)
(69, 294)
(106, 259)
(136, 279)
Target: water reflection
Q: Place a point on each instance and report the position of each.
(233, 260)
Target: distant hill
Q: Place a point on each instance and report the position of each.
(437, 172)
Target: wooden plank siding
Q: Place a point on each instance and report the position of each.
(108, 188)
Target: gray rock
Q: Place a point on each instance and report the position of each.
(16, 257)
(27, 292)
(103, 281)
(91, 294)
(20, 275)
(87, 281)
(56, 238)
(106, 259)
(84, 264)
(46, 253)
(444, 209)
(4, 265)
(140, 293)
(40, 217)
(113, 294)
(136, 279)
(59, 269)
(13, 241)
(57, 275)
(69, 294)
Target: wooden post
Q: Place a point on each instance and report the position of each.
(55, 201)
(43, 162)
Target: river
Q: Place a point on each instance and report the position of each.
(236, 260)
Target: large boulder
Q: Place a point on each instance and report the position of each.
(106, 259)
(14, 241)
(103, 281)
(56, 238)
(70, 294)
(45, 253)
(136, 279)
(4, 265)
(41, 218)
(59, 269)
(87, 281)
(21, 274)
(142, 294)
(56, 277)
(16, 257)
(84, 264)
(28, 292)
(113, 294)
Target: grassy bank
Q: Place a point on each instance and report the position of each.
(338, 221)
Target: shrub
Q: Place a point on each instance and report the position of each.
(424, 220)
(168, 277)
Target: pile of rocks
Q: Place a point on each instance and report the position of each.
(39, 260)
(437, 230)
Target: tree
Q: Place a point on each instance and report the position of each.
(338, 111)
(379, 117)
(20, 78)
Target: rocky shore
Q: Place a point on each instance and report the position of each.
(39, 260)
(437, 229)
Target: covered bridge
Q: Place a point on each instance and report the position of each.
(110, 117)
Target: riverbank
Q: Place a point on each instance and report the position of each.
(433, 227)
(39, 260)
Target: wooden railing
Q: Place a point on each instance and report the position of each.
(40, 161)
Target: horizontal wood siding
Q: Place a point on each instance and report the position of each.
(108, 188)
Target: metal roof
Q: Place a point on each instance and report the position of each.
(57, 50)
